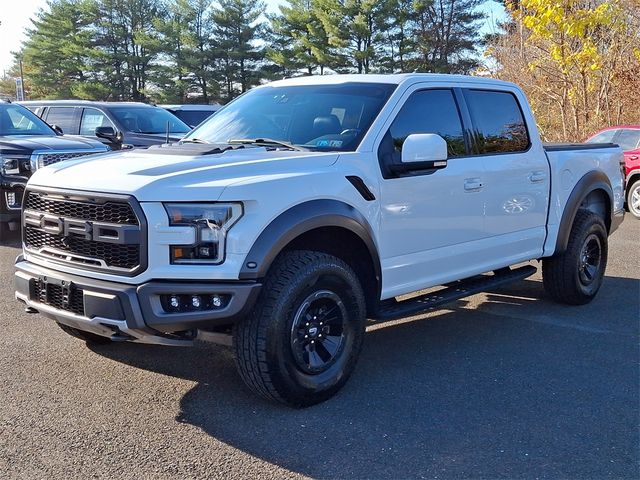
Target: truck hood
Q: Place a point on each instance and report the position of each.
(29, 143)
(171, 174)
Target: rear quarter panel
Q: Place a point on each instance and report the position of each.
(567, 168)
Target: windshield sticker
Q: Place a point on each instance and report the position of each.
(329, 143)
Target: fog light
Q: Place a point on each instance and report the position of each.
(11, 199)
(196, 302)
(174, 301)
(216, 301)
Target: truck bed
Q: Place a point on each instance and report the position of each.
(559, 147)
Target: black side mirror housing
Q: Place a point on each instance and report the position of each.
(108, 133)
(57, 129)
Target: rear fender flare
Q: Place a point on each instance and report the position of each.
(592, 181)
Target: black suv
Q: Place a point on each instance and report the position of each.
(27, 143)
(117, 124)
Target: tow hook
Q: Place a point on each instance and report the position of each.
(30, 310)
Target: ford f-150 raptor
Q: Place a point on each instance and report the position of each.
(307, 206)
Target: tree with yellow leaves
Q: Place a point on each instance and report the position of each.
(574, 58)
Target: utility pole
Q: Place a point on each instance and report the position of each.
(22, 79)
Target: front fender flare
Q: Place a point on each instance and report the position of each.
(300, 219)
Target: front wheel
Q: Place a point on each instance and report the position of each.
(633, 199)
(575, 276)
(301, 342)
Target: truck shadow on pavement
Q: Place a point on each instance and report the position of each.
(514, 385)
(11, 239)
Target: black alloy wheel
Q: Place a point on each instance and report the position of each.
(317, 331)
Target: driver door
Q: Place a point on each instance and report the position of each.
(431, 220)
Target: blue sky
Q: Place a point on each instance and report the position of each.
(15, 20)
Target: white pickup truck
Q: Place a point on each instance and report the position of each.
(307, 206)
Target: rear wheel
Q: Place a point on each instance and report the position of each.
(301, 342)
(575, 276)
(90, 338)
(633, 199)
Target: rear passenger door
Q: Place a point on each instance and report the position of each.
(67, 118)
(517, 176)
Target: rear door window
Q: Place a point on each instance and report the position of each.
(65, 118)
(93, 118)
(498, 122)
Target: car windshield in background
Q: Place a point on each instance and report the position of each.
(148, 120)
(17, 120)
(319, 117)
(192, 117)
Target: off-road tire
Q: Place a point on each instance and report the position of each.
(90, 338)
(575, 276)
(267, 350)
(633, 197)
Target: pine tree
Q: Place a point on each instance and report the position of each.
(236, 33)
(55, 54)
(355, 28)
(188, 52)
(447, 35)
(299, 41)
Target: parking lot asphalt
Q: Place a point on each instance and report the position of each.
(505, 384)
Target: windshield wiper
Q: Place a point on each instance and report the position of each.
(268, 142)
(193, 140)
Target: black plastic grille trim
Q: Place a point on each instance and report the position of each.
(109, 212)
(120, 256)
(127, 259)
(55, 296)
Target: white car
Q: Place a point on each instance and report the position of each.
(307, 206)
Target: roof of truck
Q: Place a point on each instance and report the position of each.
(388, 79)
(80, 103)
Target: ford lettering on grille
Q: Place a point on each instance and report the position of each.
(95, 231)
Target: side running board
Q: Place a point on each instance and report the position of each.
(393, 309)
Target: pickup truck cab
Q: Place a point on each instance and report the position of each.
(26, 144)
(307, 206)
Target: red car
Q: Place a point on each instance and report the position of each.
(628, 137)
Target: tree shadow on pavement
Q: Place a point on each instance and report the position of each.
(515, 387)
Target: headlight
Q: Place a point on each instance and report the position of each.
(211, 222)
(10, 164)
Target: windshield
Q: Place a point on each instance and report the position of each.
(320, 117)
(148, 120)
(17, 120)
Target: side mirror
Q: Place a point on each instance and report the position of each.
(108, 133)
(423, 151)
(57, 129)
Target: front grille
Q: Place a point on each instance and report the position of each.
(45, 159)
(82, 247)
(69, 299)
(110, 212)
(113, 255)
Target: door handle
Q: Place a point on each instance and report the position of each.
(633, 157)
(472, 184)
(536, 177)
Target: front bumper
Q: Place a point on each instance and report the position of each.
(133, 312)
